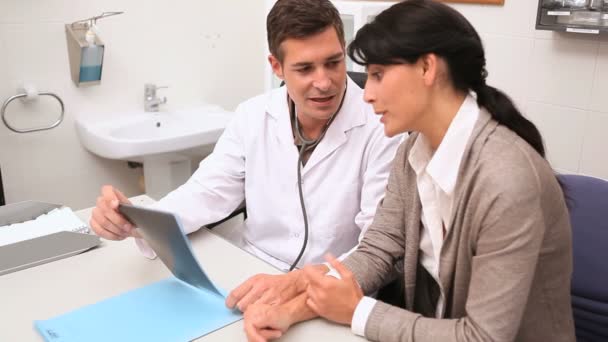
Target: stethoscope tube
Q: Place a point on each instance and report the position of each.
(307, 144)
(302, 205)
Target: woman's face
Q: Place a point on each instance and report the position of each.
(399, 93)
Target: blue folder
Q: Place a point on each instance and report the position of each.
(180, 308)
(168, 310)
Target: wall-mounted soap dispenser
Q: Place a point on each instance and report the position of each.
(85, 50)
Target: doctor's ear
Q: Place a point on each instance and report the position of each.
(277, 67)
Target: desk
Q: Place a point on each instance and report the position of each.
(115, 267)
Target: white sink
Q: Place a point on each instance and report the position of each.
(135, 135)
(164, 142)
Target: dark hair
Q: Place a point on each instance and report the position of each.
(300, 19)
(410, 29)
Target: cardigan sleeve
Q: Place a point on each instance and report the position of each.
(373, 262)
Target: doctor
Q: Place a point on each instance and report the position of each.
(343, 173)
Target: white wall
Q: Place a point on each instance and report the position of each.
(205, 51)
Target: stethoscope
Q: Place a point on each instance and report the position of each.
(307, 144)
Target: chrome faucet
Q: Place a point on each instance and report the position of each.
(151, 101)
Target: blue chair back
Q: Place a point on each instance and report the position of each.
(587, 199)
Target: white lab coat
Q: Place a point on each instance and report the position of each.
(255, 160)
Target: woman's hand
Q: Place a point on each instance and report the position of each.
(332, 298)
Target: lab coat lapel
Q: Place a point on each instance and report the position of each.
(278, 109)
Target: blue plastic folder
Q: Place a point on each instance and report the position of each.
(168, 310)
(180, 308)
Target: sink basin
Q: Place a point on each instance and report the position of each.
(136, 135)
(164, 142)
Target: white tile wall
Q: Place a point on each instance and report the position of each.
(515, 52)
(563, 145)
(197, 49)
(594, 160)
(599, 94)
(3, 62)
(563, 71)
(512, 19)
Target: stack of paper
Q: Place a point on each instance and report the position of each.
(56, 220)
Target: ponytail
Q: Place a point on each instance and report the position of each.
(504, 111)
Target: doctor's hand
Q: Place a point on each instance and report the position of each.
(332, 298)
(265, 322)
(106, 221)
(267, 289)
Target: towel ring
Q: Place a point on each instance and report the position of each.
(34, 129)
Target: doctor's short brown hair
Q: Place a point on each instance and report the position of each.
(300, 19)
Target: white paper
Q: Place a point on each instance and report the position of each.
(56, 220)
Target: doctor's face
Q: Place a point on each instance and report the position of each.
(314, 72)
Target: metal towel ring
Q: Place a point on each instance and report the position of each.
(34, 129)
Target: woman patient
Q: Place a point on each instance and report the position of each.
(474, 222)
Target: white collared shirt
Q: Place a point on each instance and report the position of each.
(436, 175)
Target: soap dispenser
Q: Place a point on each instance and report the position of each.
(85, 50)
(91, 60)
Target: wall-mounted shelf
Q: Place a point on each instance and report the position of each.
(577, 16)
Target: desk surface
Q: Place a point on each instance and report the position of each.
(49, 290)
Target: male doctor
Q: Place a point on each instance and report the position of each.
(344, 167)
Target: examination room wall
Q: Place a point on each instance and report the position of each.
(559, 81)
(204, 51)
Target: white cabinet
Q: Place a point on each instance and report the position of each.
(354, 15)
